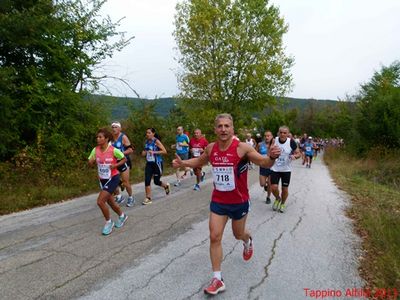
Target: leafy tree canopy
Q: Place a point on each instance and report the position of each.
(379, 108)
(48, 51)
(231, 53)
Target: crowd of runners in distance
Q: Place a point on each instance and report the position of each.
(229, 159)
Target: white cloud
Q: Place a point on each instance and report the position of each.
(337, 44)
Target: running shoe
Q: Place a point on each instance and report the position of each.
(120, 199)
(215, 287)
(108, 227)
(177, 183)
(282, 208)
(121, 221)
(276, 205)
(130, 201)
(147, 201)
(167, 189)
(268, 200)
(196, 187)
(248, 250)
(203, 175)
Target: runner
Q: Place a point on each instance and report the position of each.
(303, 140)
(230, 198)
(282, 169)
(197, 145)
(316, 147)
(121, 141)
(182, 149)
(309, 153)
(297, 140)
(262, 148)
(153, 149)
(106, 156)
(250, 141)
(258, 138)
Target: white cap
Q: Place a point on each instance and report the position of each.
(310, 137)
(117, 124)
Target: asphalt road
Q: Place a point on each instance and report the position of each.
(58, 252)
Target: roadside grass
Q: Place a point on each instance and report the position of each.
(25, 189)
(373, 184)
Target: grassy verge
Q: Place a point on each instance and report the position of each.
(25, 189)
(373, 184)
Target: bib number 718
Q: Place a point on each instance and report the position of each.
(224, 179)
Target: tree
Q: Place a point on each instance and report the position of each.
(48, 51)
(378, 121)
(231, 53)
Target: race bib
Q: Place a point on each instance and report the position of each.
(150, 157)
(224, 178)
(308, 149)
(280, 161)
(104, 171)
(178, 147)
(196, 152)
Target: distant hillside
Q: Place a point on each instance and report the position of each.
(291, 103)
(120, 106)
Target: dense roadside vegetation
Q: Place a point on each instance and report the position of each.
(373, 183)
(368, 169)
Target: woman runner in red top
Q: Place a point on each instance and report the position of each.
(230, 197)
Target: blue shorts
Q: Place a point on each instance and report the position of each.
(233, 211)
(109, 185)
(265, 172)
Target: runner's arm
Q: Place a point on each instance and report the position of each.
(127, 144)
(121, 159)
(257, 158)
(92, 158)
(295, 149)
(162, 150)
(196, 162)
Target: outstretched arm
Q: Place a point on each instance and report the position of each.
(196, 162)
(257, 158)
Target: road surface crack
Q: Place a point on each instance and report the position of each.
(166, 267)
(266, 273)
(299, 221)
(111, 255)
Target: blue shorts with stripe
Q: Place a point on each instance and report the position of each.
(109, 185)
(233, 211)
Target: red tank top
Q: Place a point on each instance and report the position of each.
(229, 175)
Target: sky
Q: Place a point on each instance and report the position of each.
(336, 45)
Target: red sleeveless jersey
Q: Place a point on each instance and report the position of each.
(229, 175)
